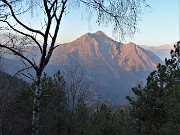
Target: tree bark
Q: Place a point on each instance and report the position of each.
(1, 133)
(36, 106)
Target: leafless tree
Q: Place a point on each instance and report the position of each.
(122, 14)
(79, 90)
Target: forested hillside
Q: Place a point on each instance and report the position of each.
(67, 108)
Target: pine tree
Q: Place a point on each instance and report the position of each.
(155, 108)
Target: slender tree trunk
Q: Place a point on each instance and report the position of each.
(36, 106)
(1, 133)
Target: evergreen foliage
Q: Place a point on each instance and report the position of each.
(155, 108)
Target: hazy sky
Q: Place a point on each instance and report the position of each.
(159, 25)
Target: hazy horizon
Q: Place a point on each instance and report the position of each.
(159, 25)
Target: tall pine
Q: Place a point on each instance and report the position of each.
(155, 109)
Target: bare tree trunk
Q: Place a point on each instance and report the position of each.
(36, 106)
(1, 132)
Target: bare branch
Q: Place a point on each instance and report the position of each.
(20, 55)
(25, 34)
(19, 22)
(55, 33)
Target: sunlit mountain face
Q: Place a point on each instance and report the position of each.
(97, 48)
(112, 66)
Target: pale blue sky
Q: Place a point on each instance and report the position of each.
(158, 26)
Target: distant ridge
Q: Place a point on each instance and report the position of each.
(162, 51)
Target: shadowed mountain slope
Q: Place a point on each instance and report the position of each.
(113, 66)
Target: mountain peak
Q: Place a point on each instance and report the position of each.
(100, 33)
(105, 60)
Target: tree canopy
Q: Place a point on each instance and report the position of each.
(155, 108)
